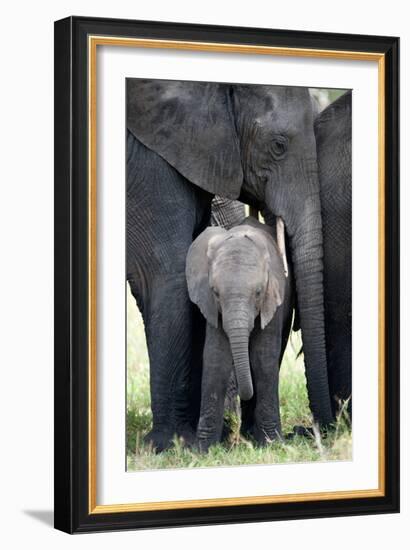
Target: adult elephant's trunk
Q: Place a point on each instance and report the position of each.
(307, 255)
(239, 340)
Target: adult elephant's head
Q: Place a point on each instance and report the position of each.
(256, 143)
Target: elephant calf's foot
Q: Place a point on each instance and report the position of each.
(203, 445)
(204, 442)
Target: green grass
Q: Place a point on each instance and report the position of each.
(236, 451)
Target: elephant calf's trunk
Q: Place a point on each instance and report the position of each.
(239, 340)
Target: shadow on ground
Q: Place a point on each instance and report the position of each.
(44, 516)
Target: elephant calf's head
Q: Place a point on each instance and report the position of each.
(236, 274)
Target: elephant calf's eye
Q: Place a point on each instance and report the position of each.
(279, 146)
(215, 291)
(258, 292)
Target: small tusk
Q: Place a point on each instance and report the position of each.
(280, 237)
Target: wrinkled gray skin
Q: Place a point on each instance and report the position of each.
(333, 130)
(186, 142)
(226, 213)
(237, 280)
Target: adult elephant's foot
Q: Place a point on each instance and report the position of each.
(262, 437)
(159, 440)
(301, 431)
(310, 432)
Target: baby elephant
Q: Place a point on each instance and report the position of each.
(238, 279)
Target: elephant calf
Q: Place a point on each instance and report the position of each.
(238, 279)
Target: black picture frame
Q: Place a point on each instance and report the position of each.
(71, 490)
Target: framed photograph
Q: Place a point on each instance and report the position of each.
(226, 274)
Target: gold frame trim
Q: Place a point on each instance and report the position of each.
(93, 42)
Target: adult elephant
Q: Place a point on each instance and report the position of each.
(227, 213)
(333, 130)
(186, 142)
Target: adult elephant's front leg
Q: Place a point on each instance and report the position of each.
(164, 212)
(170, 324)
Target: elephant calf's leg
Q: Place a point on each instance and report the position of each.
(265, 354)
(217, 367)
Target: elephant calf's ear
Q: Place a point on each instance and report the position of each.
(273, 299)
(197, 274)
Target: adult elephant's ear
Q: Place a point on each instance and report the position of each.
(191, 125)
(197, 272)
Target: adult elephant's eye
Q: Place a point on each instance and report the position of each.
(258, 292)
(215, 291)
(279, 146)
